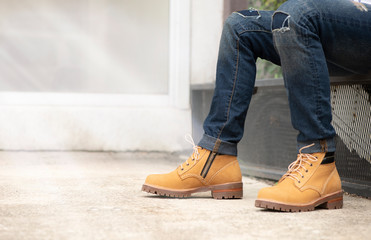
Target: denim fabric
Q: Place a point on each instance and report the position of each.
(310, 39)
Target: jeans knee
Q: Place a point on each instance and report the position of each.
(283, 30)
(231, 24)
(294, 13)
(238, 21)
(280, 22)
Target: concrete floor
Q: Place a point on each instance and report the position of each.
(82, 195)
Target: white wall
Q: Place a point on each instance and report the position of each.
(93, 128)
(207, 25)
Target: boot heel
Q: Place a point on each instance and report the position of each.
(336, 203)
(227, 191)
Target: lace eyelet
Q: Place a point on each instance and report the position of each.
(187, 164)
(302, 176)
(298, 181)
(306, 170)
(182, 169)
(311, 165)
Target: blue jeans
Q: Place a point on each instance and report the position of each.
(311, 40)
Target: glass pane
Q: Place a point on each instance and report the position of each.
(117, 46)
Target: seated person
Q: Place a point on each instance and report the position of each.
(310, 40)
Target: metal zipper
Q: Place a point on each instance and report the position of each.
(208, 163)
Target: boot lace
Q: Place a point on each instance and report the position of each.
(295, 167)
(195, 155)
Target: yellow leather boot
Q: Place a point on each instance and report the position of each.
(311, 181)
(203, 171)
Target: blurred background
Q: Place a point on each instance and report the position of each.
(107, 75)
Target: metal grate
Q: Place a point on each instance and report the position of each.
(351, 108)
(351, 168)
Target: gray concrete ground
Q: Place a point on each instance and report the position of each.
(82, 195)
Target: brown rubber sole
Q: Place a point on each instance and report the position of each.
(222, 191)
(331, 201)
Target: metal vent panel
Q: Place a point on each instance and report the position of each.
(352, 117)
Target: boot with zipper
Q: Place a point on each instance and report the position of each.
(203, 171)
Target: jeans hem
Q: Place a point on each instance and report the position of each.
(325, 145)
(226, 148)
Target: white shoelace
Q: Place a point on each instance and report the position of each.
(195, 155)
(294, 167)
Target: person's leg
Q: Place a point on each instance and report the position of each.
(213, 165)
(246, 36)
(308, 34)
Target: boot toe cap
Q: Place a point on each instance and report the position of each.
(153, 179)
(169, 180)
(272, 194)
(265, 193)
